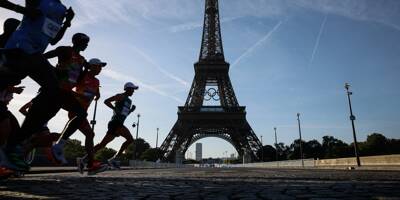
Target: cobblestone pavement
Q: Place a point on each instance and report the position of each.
(207, 184)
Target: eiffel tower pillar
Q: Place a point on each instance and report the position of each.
(211, 109)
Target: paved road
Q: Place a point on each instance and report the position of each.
(207, 184)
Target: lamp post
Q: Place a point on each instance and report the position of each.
(93, 122)
(137, 135)
(353, 118)
(276, 146)
(301, 146)
(157, 138)
(262, 149)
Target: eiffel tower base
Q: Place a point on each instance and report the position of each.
(211, 122)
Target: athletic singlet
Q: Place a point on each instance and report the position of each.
(122, 109)
(34, 35)
(69, 67)
(87, 89)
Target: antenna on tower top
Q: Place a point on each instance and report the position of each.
(211, 45)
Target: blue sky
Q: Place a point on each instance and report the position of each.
(286, 57)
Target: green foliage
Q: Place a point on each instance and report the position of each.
(335, 148)
(268, 152)
(331, 147)
(142, 146)
(151, 155)
(313, 149)
(104, 154)
(74, 149)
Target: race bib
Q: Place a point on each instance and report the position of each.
(74, 73)
(50, 28)
(125, 111)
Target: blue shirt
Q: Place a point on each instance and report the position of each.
(34, 35)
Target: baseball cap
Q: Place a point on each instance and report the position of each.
(130, 85)
(96, 61)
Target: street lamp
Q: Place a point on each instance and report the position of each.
(352, 118)
(157, 138)
(262, 149)
(301, 146)
(276, 146)
(137, 135)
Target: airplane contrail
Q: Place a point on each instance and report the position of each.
(159, 68)
(321, 30)
(123, 78)
(258, 43)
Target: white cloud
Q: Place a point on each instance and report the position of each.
(386, 12)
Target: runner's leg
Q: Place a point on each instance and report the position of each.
(124, 132)
(46, 105)
(71, 104)
(89, 137)
(107, 139)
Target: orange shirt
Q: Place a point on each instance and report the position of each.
(87, 89)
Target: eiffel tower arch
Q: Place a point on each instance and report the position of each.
(211, 109)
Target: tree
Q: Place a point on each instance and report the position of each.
(152, 154)
(283, 151)
(105, 154)
(376, 144)
(269, 153)
(313, 149)
(295, 149)
(335, 148)
(142, 146)
(74, 149)
(393, 146)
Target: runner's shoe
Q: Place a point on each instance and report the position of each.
(13, 160)
(58, 154)
(80, 165)
(5, 173)
(97, 168)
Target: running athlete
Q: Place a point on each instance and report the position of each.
(10, 25)
(43, 139)
(8, 123)
(69, 69)
(87, 90)
(44, 23)
(7, 119)
(122, 107)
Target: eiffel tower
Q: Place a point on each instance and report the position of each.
(211, 109)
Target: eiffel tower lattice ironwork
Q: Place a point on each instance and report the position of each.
(197, 119)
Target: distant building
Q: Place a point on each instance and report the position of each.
(199, 151)
(232, 156)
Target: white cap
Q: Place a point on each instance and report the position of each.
(96, 61)
(130, 85)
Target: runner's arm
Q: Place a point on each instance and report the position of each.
(132, 109)
(109, 101)
(54, 53)
(69, 15)
(24, 109)
(30, 9)
(17, 90)
(11, 6)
